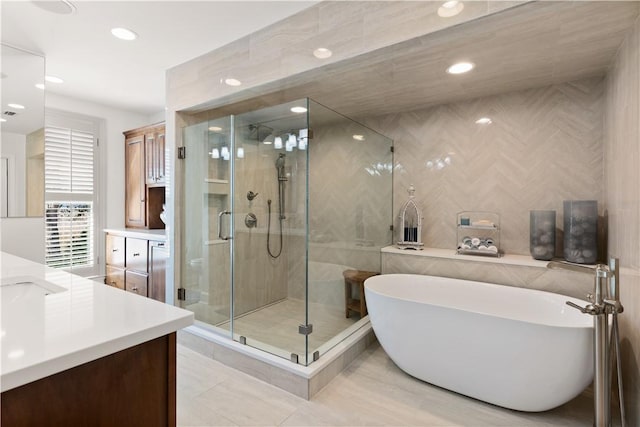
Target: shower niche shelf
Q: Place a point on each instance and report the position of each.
(217, 186)
(478, 233)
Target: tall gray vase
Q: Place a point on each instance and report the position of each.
(581, 231)
(542, 234)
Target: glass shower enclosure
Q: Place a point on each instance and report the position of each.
(278, 203)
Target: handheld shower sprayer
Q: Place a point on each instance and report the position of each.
(282, 178)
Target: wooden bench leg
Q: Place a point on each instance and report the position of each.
(347, 297)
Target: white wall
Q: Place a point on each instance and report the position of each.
(114, 122)
(23, 237)
(14, 148)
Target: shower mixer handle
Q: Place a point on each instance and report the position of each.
(251, 195)
(591, 309)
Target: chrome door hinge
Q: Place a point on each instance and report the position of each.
(391, 227)
(305, 329)
(182, 152)
(391, 148)
(182, 294)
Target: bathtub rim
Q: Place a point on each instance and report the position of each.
(588, 324)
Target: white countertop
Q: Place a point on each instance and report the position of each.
(139, 233)
(80, 321)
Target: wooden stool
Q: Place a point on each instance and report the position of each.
(355, 277)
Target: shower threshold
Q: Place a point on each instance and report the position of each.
(303, 381)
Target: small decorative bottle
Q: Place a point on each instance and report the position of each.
(410, 223)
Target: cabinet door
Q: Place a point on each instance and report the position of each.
(159, 157)
(115, 251)
(135, 282)
(115, 277)
(158, 256)
(135, 213)
(149, 163)
(137, 254)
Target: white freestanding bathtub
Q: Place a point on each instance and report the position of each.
(517, 348)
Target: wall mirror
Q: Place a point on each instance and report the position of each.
(22, 133)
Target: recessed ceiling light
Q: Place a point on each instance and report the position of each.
(450, 8)
(232, 82)
(2, 120)
(16, 106)
(358, 137)
(484, 121)
(61, 7)
(40, 86)
(460, 68)
(215, 128)
(322, 53)
(53, 79)
(298, 110)
(124, 33)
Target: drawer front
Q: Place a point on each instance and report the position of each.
(136, 283)
(115, 277)
(137, 254)
(115, 250)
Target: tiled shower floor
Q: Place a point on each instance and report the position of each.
(276, 325)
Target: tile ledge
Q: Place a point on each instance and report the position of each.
(510, 259)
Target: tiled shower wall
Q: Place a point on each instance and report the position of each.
(544, 146)
(622, 189)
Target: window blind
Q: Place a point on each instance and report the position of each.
(69, 194)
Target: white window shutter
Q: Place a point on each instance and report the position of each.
(69, 190)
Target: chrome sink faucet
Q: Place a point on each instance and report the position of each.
(604, 302)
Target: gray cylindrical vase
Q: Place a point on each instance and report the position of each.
(542, 234)
(581, 231)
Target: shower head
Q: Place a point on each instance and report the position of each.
(280, 161)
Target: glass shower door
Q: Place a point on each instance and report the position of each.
(269, 208)
(205, 243)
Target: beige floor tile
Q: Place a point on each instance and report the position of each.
(372, 391)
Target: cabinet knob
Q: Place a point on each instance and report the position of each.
(134, 289)
(114, 250)
(136, 254)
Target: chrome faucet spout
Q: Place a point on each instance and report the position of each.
(599, 270)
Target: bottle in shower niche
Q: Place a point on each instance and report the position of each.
(542, 234)
(581, 231)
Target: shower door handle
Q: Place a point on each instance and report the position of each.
(220, 215)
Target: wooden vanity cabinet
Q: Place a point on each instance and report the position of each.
(158, 258)
(115, 277)
(136, 282)
(145, 172)
(137, 265)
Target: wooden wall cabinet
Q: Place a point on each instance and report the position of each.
(145, 173)
(141, 267)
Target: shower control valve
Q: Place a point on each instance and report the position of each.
(251, 221)
(251, 195)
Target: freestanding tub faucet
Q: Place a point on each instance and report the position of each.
(604, 302)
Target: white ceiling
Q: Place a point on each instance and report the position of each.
(95, 66)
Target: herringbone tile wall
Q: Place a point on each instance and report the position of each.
(544, 146)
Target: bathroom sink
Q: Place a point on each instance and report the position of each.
(27, 287)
